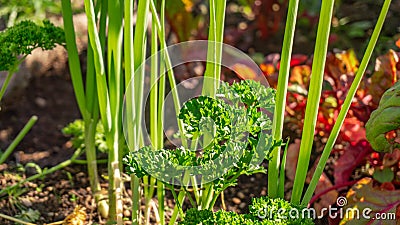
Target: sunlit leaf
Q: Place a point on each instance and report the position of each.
(398, 43)
(383, 175)
(363, 196)
(353, 156)
(300, 75)
(338, 64)
(385, 75)
(384, 121)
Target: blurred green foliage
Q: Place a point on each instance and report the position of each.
(76, 130)
(14, 11)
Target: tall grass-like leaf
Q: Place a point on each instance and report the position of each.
(87, 101)
(281, 186)
(283, 78)
(129, 71)
(214, 51)
(101, 82)
(314, 95)
(210, 72)
(160, 115)
(73, 57)
(139, 57)
(166, 67)
(346, 105)
(115, 91)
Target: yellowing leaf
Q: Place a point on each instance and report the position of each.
(341, 63)
(363, 197)
(349, 61)
(300, 75)
(385, 75)
(77, 217)
(247, 73)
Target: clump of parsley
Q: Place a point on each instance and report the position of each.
(276, 210)
(22, 38)
(240, 108)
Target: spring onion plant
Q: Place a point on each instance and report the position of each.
(274, 176)
(116, 50)
(87, 100)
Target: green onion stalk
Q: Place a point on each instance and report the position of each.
(87, 99)
(276, 168)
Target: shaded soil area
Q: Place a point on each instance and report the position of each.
(51, 98)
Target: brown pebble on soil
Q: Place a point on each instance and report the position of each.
(241, 195)
(41, 102)
(26, 202)
(237, 201)
(242, 205)
(127, 213)
(3, 167)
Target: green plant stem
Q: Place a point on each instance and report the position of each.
(207, 196)
(174, 216)
(90, 150)
(225, 186)
(161, 199)
(214, 49)
(135, 184)
(220, 24)
(166, 66)
(281, 187)
(129, 71)
(73, 58)
(161, 86)
(314, 95)
(149, 190)
(283, 78)
(18, 139)
(115, 81)
(88, 104)
(15, 219)
(160, 114)
(44, 173)
(5, 84)
(178, 205)
(148, 187)
(84, 162)
(101, 82)
(179, 199)
(346, 105)
(189, 196)
(195, 189)
(139, 54)
(140, 41)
